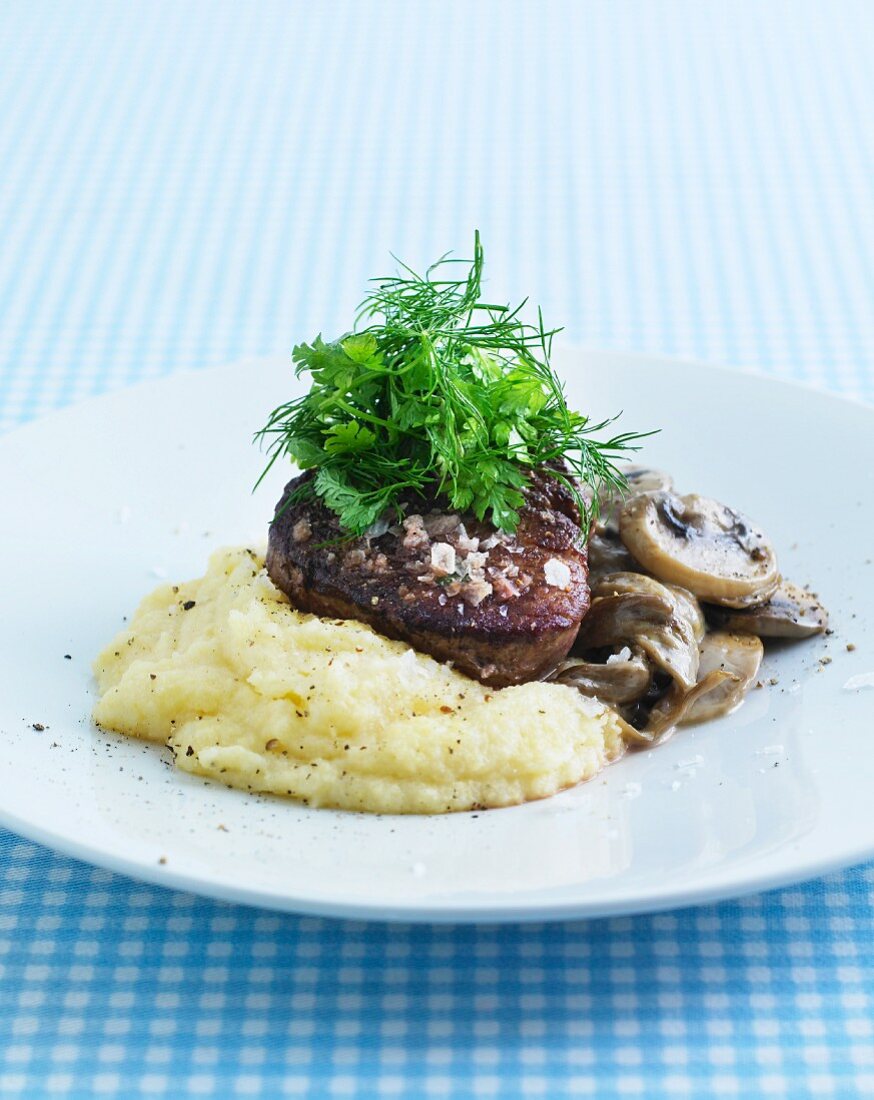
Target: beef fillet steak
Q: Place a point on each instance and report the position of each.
(502, 608)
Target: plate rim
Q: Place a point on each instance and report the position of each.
(430, 912)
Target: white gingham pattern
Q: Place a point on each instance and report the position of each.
(183, 183)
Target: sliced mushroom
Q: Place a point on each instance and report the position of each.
(608, 554)
(613, 621)
(737, 655)
(612, 584)
(702, 545)
(690, 609)
(634, 609)
(675, 705)
(626, 580)
(645, 479)
(616, 683)
(633, 738)
(639, 479)
(728, 665)
(789, 613)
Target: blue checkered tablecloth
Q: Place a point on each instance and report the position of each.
(185, 183)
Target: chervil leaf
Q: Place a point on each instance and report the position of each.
(305, 453)
(360, 348)
(355, 510)
(349, 438)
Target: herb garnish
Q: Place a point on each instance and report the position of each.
(443, 393)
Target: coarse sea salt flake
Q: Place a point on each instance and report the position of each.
(558, 575)
(621, 657)
(769, 750)
(411, 665)
(693, 762)
(631, 790)
(443, 558)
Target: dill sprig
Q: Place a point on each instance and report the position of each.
(435, 391)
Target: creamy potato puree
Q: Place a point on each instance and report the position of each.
(248, 691)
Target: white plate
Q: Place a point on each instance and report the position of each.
(101, 500)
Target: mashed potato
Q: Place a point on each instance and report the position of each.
(248, 691)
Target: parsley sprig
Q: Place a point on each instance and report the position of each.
(437, 391)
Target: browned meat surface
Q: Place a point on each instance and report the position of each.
(503, 608)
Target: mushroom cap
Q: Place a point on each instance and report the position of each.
(616, 683)
(700, 544)
(619, 619)
(690, 608)
(635, 609)
(628, 580)
(646, 479)
(739, 655)
(789, 613)
(608, 554)
(673, 708)
(728, 664)
(639, 479)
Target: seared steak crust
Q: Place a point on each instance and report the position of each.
(503, 608)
